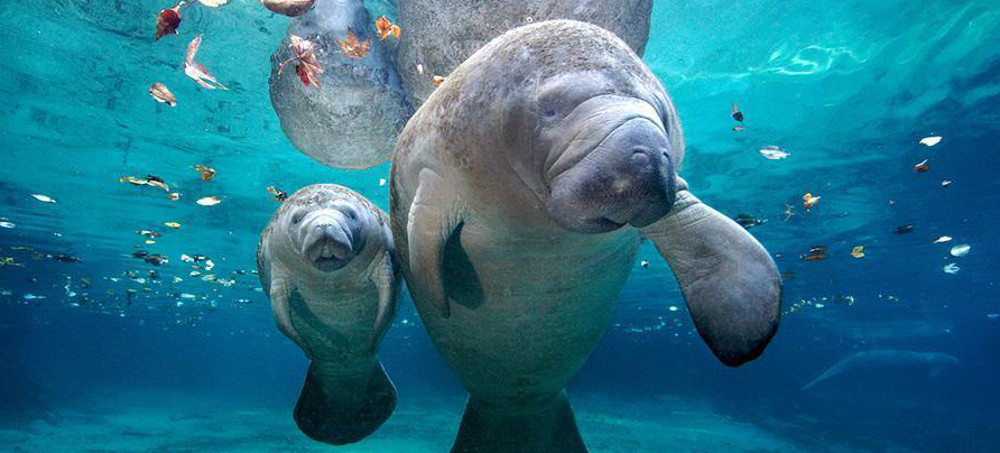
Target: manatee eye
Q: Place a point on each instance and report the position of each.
(549, 113)
(350, 213)
(297, 217)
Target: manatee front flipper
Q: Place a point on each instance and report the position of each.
(384, 278)
(731, 284)
(434, 216)
(281, 292)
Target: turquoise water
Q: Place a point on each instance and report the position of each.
(847, 88)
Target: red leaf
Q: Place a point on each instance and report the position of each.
(168, 20)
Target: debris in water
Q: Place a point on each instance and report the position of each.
(168, 20)
(386, 28)
(748, 221)
(922, 167)
(206, 173)
(62, 257)
(43, 198)
(808, 201)
(162, 94)
(773, 152)
(644, 264)
(951, 268)
(308, 67)
(789, 212)
(5, 224)
(945, 183)
(352, 46)
(904, 229)
(148, 233)
(858, 252)
(278, 194)
(930, 141)
(197, 71)
(149, 180)
(942, 239)
(816, 253)
(960, 250)
(737, 114)
(290, 8)
(209, 201)
(437, 80)
(174, 225)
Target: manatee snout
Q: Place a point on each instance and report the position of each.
(329, 238)
(629, 178)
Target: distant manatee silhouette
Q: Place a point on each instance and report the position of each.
(931, 363)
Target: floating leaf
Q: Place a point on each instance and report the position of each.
(951, 268)
(43, 198)
(773, 153)
(162, 94)
(748, 221)
(197, 71)
(206, 173)
(942, 239)
(213, 3)
(149, 180)
(808, 200)
(437, 80)
(148, 233)
(904, 229)
(930, 141)
(739, 128)
(945, 183)
(174, 196)
(960, 250)
(209, 201)
(352, 46)
(858, 252)
(922, 167)
(816, 253)
(737, 114)
(290, 8)
(5, 224)
(168, 20)
(303, 51)
(174, 225)
(386, 28)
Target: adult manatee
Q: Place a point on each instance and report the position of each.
(520, 192)
(325, 260)
(440, 34)
(352, 118)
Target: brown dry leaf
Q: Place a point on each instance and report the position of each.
(921, 167)
(386, 28)
(352, 46)
(206, 173)
(174, 196)
(858, 252)
(209, 201)
(149, 180)
(168, 20)
(197, 71)
(161, 93)
(437, 80)
(816, 253)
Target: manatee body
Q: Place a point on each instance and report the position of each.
(520, 192)
(326, 261)
(441, 34)
(351, 120)
(880, 361)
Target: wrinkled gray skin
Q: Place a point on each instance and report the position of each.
(912, 362)
(326, 261)
(519, 194)
(352, 120)
(441, 34)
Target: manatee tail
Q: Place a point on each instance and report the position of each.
(339, 410)
(548, 427)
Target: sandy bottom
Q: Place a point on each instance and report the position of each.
(154, 422)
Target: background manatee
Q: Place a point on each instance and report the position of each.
(440, 34)
(352, 119)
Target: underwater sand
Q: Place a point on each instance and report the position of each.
(141, 422)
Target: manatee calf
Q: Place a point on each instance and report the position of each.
(912, 363)
(352, 118)
(326, 261)
(440, 34)
(520, 192)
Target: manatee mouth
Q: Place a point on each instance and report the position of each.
(328, 246)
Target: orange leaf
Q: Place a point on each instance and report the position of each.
(206, 173)
(437, 80)
(386, 28)
(352, 46)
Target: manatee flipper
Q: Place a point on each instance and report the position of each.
(382, 277)
(731, 284)
(281, 293)
(340, 409)
(434, 216)
(547, 426)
